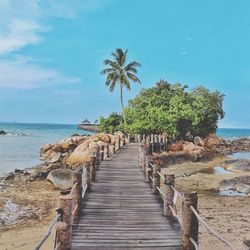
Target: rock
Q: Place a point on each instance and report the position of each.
(61, 178)
(45, 148)
(212, 142)
(78, 158)
(177, 146)
(57, 148)
(244, 179)
(243, 188)
(9, 177)
(238, 165)
(55, 158)
(2, 132)
(198, 141)
(228, 184)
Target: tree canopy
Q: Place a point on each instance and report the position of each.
(173, 110)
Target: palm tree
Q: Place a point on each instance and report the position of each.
(118, 72)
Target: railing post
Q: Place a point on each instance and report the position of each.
(88, 176)
(107, 150)
(160, 139)
(164, 143)
(152, 143)
(246, 245)
(129, 138)
(189, 220)
(169, 180)
(156, 179)
(64, 234)
(97, 158)
(92, 168)
(102, 153)
(77, 178)
(148, 170)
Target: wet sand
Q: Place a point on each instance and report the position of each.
(30, 208)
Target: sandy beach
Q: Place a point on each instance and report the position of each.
(227, 215)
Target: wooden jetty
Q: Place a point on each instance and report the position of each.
(121, 212)
(115, 208)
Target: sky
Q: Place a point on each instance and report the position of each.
(52, 52)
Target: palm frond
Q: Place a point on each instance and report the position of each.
(125, 81)
(133, 77)
(107, 71)
(133, 64)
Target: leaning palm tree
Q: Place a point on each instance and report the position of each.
(118, 72)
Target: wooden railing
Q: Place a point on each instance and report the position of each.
(69, 201)
(164, 185)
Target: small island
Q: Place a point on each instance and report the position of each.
(88, 126)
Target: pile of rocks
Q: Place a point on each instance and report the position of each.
(65, 155)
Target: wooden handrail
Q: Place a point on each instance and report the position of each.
(190, 216)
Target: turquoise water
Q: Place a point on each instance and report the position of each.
(20, 147)
(233, 133)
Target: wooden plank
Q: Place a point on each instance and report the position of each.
(120, 212)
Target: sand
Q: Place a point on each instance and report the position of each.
(34, 206)
(227, 215)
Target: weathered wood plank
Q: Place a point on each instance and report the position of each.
(120, 212)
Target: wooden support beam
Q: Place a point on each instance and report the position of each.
(64, 234)
(169, 180)
(189, 221)
(156, 179)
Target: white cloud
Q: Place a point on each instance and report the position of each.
(25, 75)
(22, 23)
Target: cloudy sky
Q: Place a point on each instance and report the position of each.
(51, 53)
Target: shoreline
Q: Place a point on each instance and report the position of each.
(38, 199)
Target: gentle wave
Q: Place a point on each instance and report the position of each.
(14, 134)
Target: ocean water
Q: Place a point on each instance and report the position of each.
(233, 133)
(20, 148)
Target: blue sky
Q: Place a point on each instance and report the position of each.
(51, 53)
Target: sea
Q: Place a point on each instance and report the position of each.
(20, 148)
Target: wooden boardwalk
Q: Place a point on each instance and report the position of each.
(120, 212)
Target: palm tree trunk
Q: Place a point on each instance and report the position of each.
(123, 114)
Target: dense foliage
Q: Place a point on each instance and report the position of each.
(171, 109)
(111, 124)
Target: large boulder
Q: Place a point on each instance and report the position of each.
(61, 178)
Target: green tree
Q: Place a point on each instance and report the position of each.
(173, 110)
(119, 72)
(111, 124)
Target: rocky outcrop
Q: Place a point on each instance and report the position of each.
(212, 145)
(77, 150)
